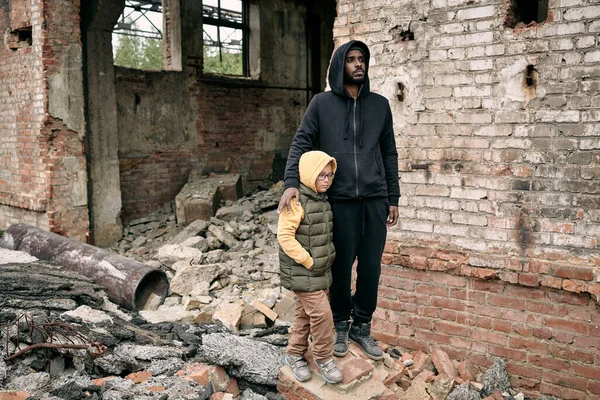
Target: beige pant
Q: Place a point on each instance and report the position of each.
(312, 314)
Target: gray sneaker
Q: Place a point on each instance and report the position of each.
(360, 333)
(299, 367)
(340, 340)
(329, 371)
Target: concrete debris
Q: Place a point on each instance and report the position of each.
(221, 331)
(495, 378)
(257, 362)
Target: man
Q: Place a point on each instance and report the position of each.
(354, 126)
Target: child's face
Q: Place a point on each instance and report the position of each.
(324, 179)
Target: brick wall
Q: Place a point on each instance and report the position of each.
(243, 129)
(40, 158)
(150, 182)
(496, 252)
(22, 177)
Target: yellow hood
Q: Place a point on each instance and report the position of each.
(310, 166)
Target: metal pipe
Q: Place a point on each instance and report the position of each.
(128, 283)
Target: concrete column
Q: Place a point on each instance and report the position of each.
(102, 127)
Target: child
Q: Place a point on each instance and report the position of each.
(306, 253)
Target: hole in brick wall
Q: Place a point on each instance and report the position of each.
(24, 35)
(525, 13)
(402, 35)
(530, 77)
(19, 38)
(400, 92)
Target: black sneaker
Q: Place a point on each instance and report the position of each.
(340, 340)
(360, 333)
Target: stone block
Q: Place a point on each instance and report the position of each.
(229, 314)
(317, 389)
(197, 200)
(252, 319)
(229, 186)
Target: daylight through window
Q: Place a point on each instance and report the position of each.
(225, 24)
(137, 36)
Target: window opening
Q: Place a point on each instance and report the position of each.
(225, 26)
(525, 13)
(137, 36)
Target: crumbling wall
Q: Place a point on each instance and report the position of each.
(497, 129)
(42, 166)
(172, 122)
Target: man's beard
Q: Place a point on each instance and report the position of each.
(352, 80)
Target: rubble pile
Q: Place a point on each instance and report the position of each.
(220, 333)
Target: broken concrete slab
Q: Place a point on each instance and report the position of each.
(169, 254)
(193, 229)
(187, 278)
(255, 361)
(317, 389)
(168, 314)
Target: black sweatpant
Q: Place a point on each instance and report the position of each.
(359, 231)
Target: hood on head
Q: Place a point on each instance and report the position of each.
(337, 65)
(310, 166)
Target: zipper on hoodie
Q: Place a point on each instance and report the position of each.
(355, 154)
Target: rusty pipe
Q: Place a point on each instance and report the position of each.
(128, 283)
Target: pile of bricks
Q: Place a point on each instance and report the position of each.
(408, 376)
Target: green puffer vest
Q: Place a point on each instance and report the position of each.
(315, 234)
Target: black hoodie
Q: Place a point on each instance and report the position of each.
(357, 133)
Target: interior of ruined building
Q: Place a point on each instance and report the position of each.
(496, 118)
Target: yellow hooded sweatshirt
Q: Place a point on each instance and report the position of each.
(310, 166)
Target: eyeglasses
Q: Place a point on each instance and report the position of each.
(322, 177)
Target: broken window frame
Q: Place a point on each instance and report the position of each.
(221, 21)
(137, 10)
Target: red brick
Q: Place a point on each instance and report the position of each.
(564, 379)
(528, 345)
(14, 395)
(102, 381)
(571, 326)
(139, 377)
(524, 370)
(451, 329)
(586, 371)
(443, 364)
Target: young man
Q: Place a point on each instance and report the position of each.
(354, 126)
(306, 253)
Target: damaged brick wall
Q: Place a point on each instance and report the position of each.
(22, 177)
(172, 122)
(62, 134)
(42, 166)
(243, 129)
(497, 130)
